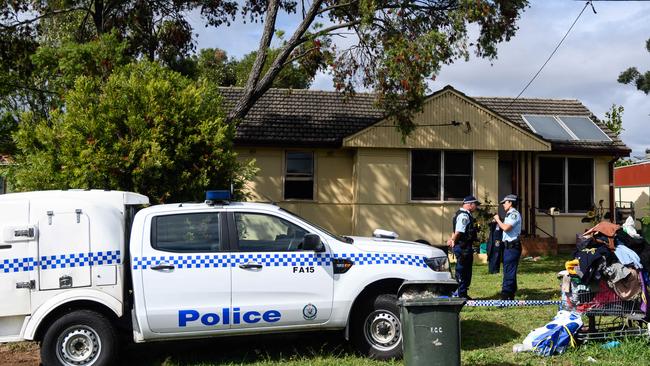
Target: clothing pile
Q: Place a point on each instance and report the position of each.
(609, 271)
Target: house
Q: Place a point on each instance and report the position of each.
(338, 162)
(632, 186)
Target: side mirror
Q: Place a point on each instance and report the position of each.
(312, 242)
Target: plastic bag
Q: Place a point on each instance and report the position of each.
(554, 337)
(628, 227)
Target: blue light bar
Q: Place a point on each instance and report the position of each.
(222, 195)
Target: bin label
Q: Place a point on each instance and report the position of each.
(436, 330)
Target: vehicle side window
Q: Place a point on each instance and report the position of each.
(195, 232)
(265, 233)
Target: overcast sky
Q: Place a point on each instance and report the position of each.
(585, 67)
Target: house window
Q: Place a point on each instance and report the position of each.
(566, 183)
(299, 176)
(436, 174)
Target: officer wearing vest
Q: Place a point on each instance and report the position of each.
(463, 236)
(511, 227)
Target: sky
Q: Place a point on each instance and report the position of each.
(585, 67)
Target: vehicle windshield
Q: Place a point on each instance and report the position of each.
(345, 239)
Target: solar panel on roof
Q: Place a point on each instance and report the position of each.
(548, 127)
(584, 128)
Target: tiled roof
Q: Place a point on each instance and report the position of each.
(505, 107)
(294, 117)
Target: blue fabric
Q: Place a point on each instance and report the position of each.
(627, 256)
(513, 217)
(464, 261)
(462, 221)
(556, 335)
(510, 264)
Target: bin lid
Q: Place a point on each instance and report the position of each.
(432, 288)
(433, 301)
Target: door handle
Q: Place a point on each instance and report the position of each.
(163, 267)
(250, 265)
(28, 285)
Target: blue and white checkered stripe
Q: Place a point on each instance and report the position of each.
(511, 303)
(278, 260)
(70, 260)
(17, 265)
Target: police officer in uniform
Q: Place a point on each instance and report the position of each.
(461, 242)
(511, 227)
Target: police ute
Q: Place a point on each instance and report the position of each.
(82, 271)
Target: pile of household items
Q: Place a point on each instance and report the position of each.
(605, 282)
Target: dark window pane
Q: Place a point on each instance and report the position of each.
(580, 198)
(457, 187)
(580, 184)
(551, 170)
(425, 187)
(300, 163)
(425, 175)
(299, 189)
(187, 233)
(580, 171)
(425, 162)
(458, 163)
(551, 195)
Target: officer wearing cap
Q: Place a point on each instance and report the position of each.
(511, 227)
(463, 236)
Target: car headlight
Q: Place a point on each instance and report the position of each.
(438, 264)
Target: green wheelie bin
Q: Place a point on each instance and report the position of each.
(430, 323)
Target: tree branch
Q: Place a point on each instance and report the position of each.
(44, 15)
(330, 29)
(244, 104)
(334, 7)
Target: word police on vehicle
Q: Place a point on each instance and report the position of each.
(81, 269)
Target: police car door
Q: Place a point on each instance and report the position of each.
(185, 273)
(17, 261)
(274, 282)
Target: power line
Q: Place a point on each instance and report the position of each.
(551, 56)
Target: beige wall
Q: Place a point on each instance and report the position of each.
(332, 207)
(479, 129)
(359, 191)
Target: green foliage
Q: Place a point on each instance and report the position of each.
(292, 75)
(402, 46)
(144, 128)
(484, 216)
(614, 119)
(633, 75)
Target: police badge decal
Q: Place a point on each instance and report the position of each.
(309, 312)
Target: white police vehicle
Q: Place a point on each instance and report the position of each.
(80, 269)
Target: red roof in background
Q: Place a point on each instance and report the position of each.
(632, 175)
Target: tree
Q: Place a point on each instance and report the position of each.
(399, 45)
(614, 119)
(144, 128)
(292, 75)
(632, 75)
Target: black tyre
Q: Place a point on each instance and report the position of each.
(376, 328)
(80, 338)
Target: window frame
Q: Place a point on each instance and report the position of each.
(234, 237)
(564, 211)
(223, 232)
(286, 177)
(442, 176)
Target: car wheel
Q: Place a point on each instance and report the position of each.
(377, 329)
(80, 338)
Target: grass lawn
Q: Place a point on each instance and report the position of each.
(488, 335)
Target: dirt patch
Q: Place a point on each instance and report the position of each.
(20, 354)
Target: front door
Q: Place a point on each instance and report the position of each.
(185, 274)
(16, 258)
(275, 282)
